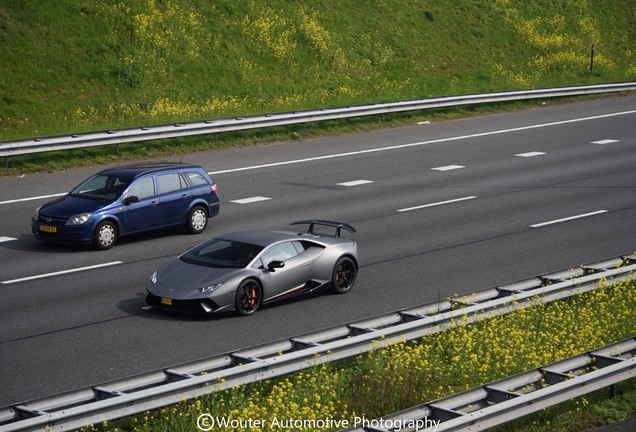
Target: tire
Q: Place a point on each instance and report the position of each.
(249, 297)
(105, 235)
(197, 220)
(344, 275)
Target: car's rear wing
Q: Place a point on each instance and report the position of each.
(337, 225)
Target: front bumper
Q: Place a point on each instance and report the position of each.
(61, 233)
(196, 306)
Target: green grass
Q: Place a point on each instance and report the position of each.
(70, 66)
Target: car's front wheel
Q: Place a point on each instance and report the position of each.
(197, 220)
(344, 275)
(249, 297)
(105, 235)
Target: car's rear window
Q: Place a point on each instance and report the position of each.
(196, 178)
(222, 253)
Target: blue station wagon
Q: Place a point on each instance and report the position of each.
(129, 199)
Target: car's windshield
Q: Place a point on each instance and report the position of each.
(101, 187)
(222, 254)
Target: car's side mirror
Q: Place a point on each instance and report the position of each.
(274, 265)
(130, 199)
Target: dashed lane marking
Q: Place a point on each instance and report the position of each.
(75, 270)
(605, 141)
(530, 154)
(568, 218)
(448, 167)
(355, 183)
(250, 200)
(437, 203)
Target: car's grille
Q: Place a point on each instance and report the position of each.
(49, 220)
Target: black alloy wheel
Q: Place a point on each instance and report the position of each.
(248, 297)
(344, 275)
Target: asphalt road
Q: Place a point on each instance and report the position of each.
(441, 209)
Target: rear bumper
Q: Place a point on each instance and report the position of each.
(215, 208)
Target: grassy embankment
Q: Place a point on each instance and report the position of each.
(84, 65)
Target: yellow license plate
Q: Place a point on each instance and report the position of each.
(49, 229)
(166, 301)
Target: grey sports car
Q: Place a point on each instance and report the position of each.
(243, 270)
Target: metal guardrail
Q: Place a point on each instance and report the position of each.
(483, 407)
(81, 140)
(161, 388)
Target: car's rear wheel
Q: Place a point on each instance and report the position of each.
(249, 297)
(105, 235)
(344, 275)
(197, 220)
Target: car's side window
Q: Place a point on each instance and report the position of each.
(142, 189)
(170, 182)
(196, 178)
(279, 252)
(301, 246)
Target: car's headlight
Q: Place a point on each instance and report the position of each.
(153, 278)
(210, 288)
(79, 219)
(36, 213)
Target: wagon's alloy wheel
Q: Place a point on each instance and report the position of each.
(344, 275)
(248, 297)
(197, 220)
(105, 235)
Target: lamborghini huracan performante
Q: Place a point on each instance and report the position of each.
(243, 270)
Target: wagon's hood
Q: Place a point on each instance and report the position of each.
(180, 275)
(67, 206)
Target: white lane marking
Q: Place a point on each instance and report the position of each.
(32, 198)
(448, 167)
(530, 154)
(355, 183)
(146, 307)
(75, 270)
(437, 203)
(6, 239)
(605, 141)
(250, 200)
(568, 218)
(421, 143)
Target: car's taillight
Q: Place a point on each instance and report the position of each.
(214, 188)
